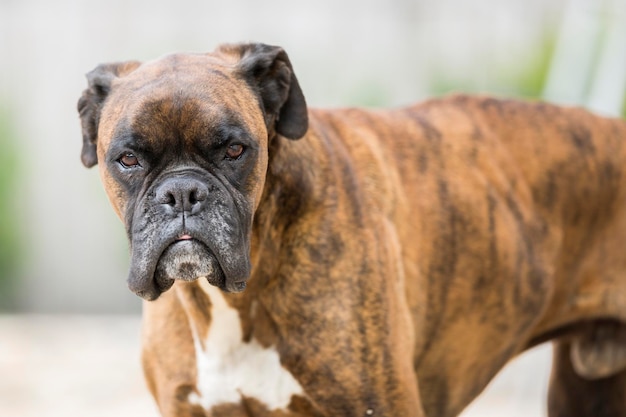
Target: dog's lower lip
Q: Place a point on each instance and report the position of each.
(184, 237)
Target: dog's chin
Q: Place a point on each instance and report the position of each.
(187, 260)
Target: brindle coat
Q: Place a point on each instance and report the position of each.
(397, 259)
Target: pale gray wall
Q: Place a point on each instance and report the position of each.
(345, 52)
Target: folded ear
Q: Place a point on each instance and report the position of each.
(268, 70)
(90, 103)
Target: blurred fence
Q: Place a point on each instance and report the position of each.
(67, 251)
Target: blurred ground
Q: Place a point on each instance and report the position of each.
(53, 366)
(66, 366)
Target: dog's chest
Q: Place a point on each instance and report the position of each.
(230, 369)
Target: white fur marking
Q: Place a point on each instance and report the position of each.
(229, 368)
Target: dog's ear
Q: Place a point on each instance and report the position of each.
(90, 103)
(268, 70)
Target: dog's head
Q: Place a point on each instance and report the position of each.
(182, 146)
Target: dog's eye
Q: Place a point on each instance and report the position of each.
(129, 160)
(234, 151)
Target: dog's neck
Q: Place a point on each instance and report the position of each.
(290, 191)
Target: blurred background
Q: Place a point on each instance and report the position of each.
(64, 306)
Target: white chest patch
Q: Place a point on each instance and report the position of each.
(229, 368)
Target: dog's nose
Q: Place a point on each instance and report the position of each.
(182, 195)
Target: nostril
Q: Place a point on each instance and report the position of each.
(169, 199)
(193, 199)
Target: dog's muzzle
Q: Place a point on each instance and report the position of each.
(186, 230)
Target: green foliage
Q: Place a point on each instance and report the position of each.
(530, 81)
(9, 234)
(523, 76)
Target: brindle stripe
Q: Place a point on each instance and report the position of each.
(581, 138)
(430, 131)
(443, 265)
(349, 179)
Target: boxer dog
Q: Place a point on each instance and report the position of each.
(352, 262)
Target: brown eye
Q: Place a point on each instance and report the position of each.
(234, 151)
(129, 160)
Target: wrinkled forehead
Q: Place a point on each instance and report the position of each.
(186, 93)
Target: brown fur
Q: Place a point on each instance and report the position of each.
(401, 257)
